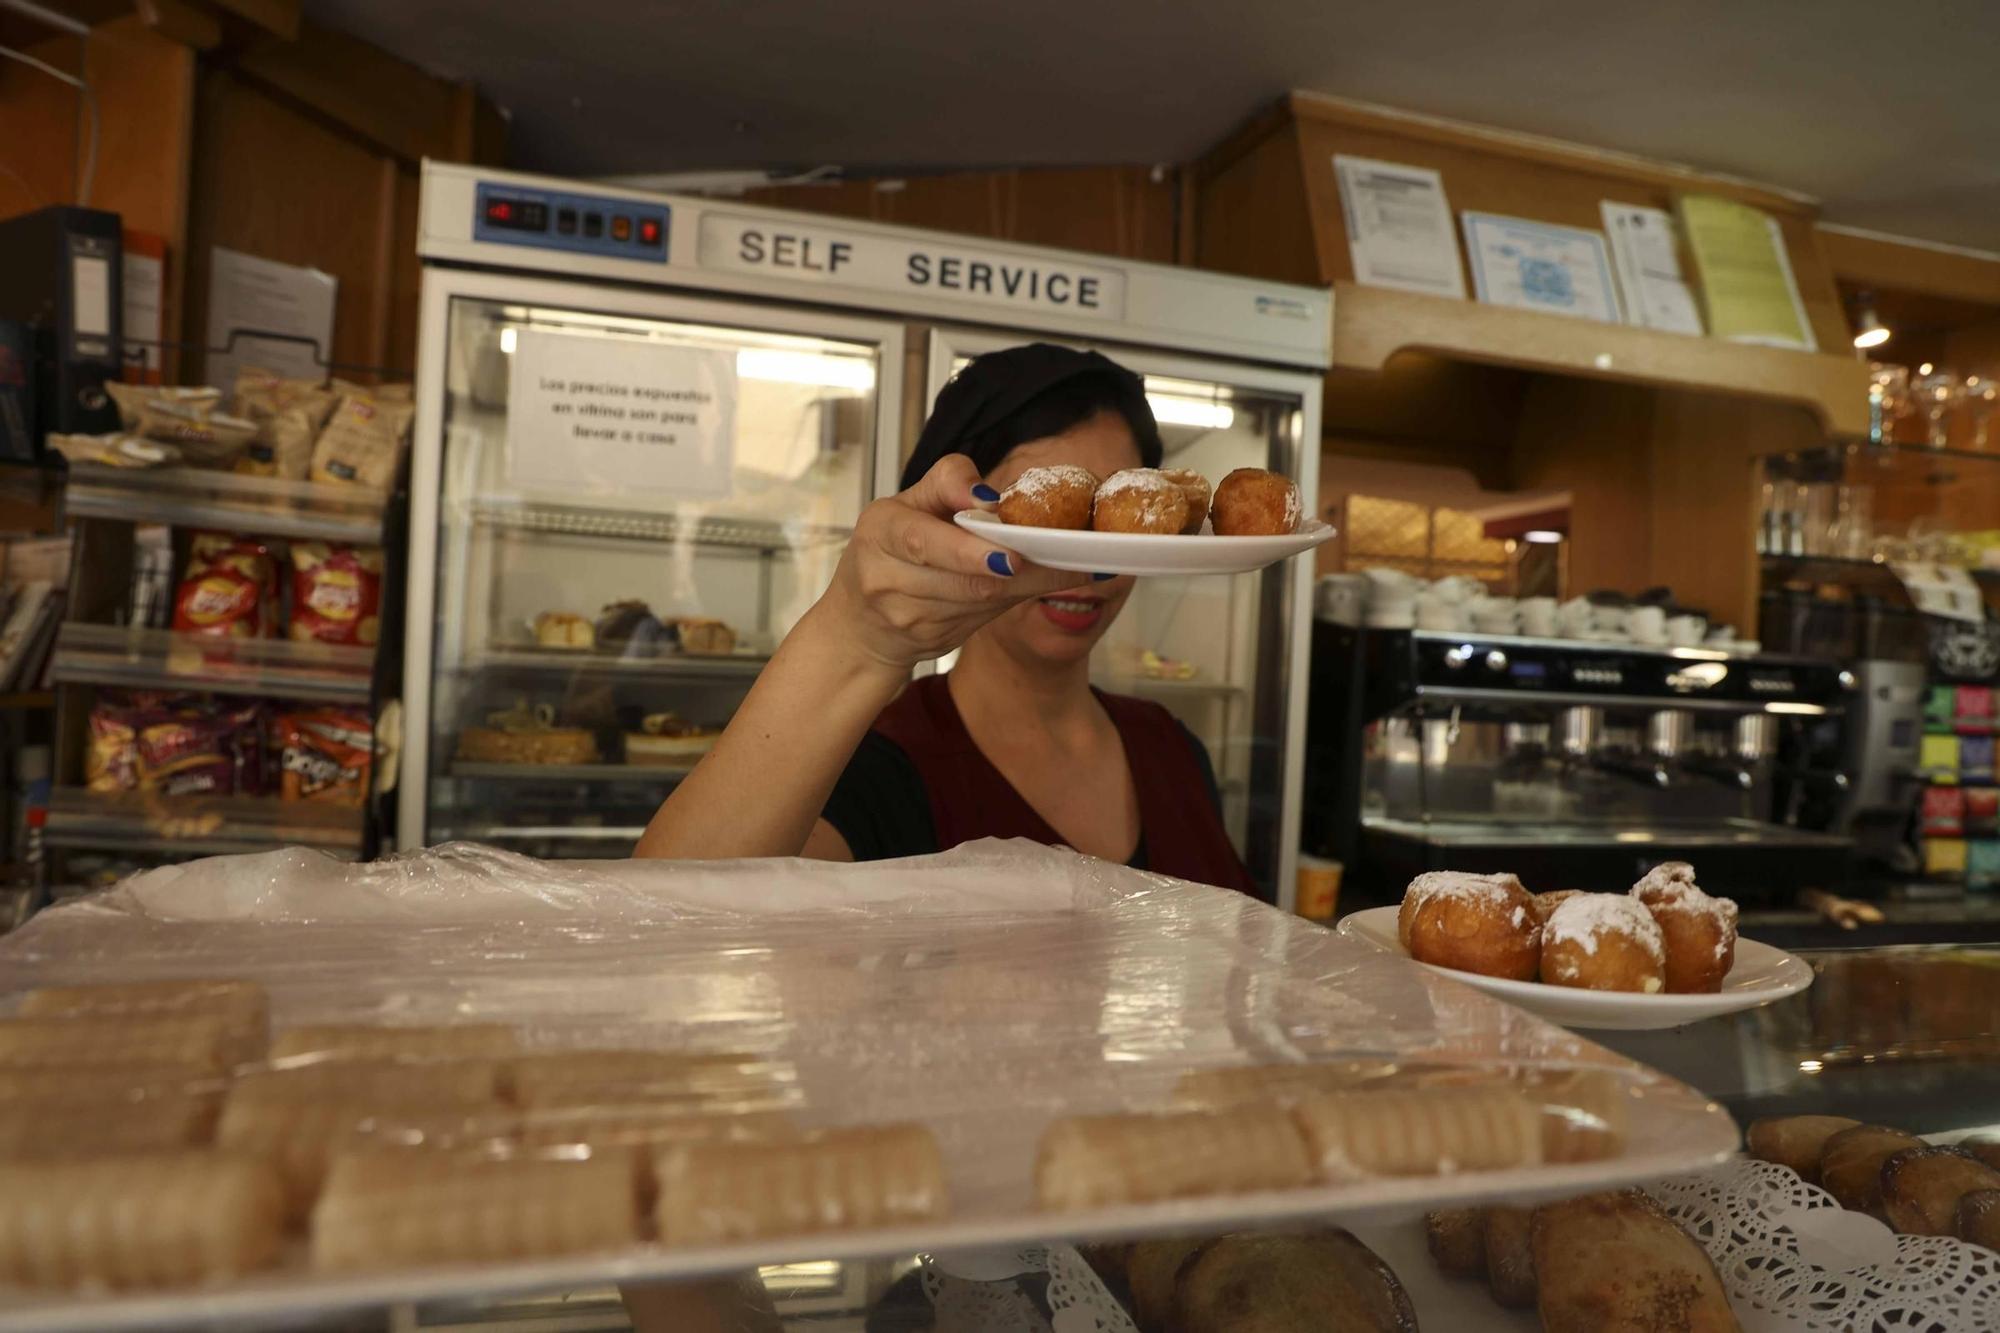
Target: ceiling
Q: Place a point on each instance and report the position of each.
(1886, 113)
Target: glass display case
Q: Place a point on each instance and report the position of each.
(599, 613)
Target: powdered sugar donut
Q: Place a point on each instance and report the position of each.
(1252, 502)
(1197, 490)
(1050, 497)
(1699, 930)
(1474, 923)
(1604, 941)
(1433, 881)
(1139, 499)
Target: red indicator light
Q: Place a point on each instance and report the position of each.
(500, 211)
(649, 231)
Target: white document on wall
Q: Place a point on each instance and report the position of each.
(615, 417)
(246, 292)
(1541, 266)
(1645, 247)
(1399, 226)
(1941, 590)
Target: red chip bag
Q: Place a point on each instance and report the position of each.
(229, 589)
(336, 593)
(325, 755)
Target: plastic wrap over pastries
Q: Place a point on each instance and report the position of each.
(462, 1056)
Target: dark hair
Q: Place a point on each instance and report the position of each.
(1007, 398)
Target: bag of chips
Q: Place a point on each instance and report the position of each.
(229, 589)
(289, 415)
(205, 437)
(363, 441)
(132, 399)
(336, 593)
(324, 755)
(111, 764)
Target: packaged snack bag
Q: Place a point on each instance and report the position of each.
(336, 593)
(324, 755)
(229, 590)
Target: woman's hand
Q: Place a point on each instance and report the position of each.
(913, 585)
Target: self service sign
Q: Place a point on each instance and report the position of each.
(894, 264)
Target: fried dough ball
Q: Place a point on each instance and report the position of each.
(1547, 903)
(1050, 497)
(1699, 931)
(1475, 923)
(1251, 502)
(1428, 883)
(1197, 490)
(1604, 941)
(1795, 1141)
(1850, 1165)
(1140, 499)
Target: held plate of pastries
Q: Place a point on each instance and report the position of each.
(1662, 955)
(1149, 520)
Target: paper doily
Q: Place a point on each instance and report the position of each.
(979, 1293)
(1789, 1253)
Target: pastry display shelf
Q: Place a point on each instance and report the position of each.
(726, 666)
(481, 771)
(200, 498)
(761, 535)
(162, 659)
(1374, 325)
(197, 825)
(1847, 566)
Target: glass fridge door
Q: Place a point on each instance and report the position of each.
(636, 497)
(1221, 652)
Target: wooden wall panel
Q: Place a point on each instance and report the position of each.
(1593, 439)
(1119, 211)
(1252, 215)
(42, 120)
(272, 182)
(145, 85)
(405, 278)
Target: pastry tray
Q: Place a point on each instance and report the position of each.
(982, 992)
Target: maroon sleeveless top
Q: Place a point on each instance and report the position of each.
(1179, 826)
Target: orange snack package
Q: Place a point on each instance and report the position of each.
(324, 755)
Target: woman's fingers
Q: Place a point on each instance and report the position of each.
(947, 488)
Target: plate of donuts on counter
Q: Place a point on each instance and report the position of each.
(1663, 954)
(1149, 520)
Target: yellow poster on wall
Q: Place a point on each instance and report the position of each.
(1745, 276)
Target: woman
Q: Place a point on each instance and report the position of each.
(836, 754)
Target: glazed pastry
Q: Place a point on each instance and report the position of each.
(242, 1005)
(1095, 1161)
(1150, 1271)
(1978, 1218)
(383, 1210)
(1510, 1257)
(1921, 1188)
(1585, 1113)
(136, 1220)
(629, 629)
(1850, 1165)
(1252, 502)
(702, 1081)
(718, 1192)
(1795, 1141)
(1604, 941)
(1985, 1147)
(203, 1043)
(1246, 1085)
(71, 1128)
(1050, 497)
(563, 629)
(1457, 1240)
(1699, 932)
(1323, 1280)
(1139, 499)
(1196, 490)
(704, 636)
(1617, 1261)
(369, 1041)
(1474, 923)
(1436, 1131)
(666, 740)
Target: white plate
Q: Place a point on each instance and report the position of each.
(1762, 974)
(1140, 552)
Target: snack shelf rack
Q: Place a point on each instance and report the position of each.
(198, 825)
(202, 499)
(162, 659)
(478, 771)
(765, 536)
(730, 666)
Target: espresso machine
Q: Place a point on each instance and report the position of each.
(1572, 764)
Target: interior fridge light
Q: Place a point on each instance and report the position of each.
(1169, 410)
(507, 341)
(833, 372)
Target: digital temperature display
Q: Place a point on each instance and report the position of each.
(1529, 670)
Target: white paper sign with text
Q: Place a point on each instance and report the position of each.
(619, 415)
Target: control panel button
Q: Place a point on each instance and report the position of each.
(649, 231)
(565, 222)
(621, 227)
(1456, 658)
(1496, 660)
(517, 214)
(593, 224)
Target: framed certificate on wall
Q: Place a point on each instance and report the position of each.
(1540, 266)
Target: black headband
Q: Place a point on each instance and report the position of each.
(993, 387)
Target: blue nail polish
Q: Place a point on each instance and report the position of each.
(1099, 578)
(998, 562)
(985, 493)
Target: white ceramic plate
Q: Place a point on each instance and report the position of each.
(1762, 974)
(1143, 553)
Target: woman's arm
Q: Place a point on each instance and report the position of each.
(911, 585)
